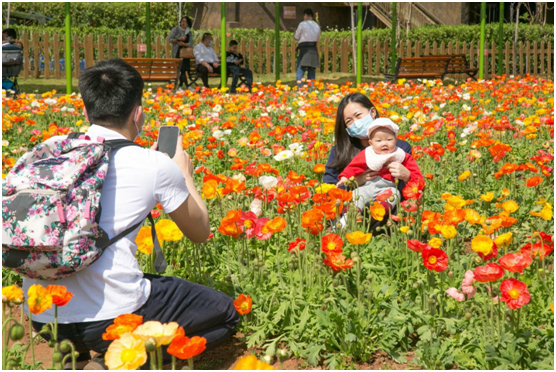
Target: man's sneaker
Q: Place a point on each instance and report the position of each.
(96, 364)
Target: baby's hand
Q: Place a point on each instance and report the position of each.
(342, 181)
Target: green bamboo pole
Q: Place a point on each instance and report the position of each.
(500, 38)
(223, 73)
(359, 42)
(148, 29)
(68, 49)
(277, 40)
(482, 42)
(393, 38)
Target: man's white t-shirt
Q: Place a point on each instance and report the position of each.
(307, 31)
(136, 181)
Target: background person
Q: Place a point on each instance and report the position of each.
(137, 179)
(181, 37)
(307, 36)
(9, 36)
(206, 59)
(234, 60)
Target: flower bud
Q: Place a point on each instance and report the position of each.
(354, 254)
(450, 274)
(369, 277)
(477, 260)
(282, 354)
(467, 316)
(415, 285)
(268, 359)
(17, 332)
(356, 260)
(338, 203)
(338, 225)
(290, 266)
(4, 299)
(150, 345)
(541, 271)
(65, 346)
(51, 344)
(56, 357)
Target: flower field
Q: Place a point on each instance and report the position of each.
(462, 275)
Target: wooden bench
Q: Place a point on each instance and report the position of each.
(459, 65)
(420, 67)
(194, 75)
(156, 69)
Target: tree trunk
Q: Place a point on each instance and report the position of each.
(408, 27)
(515, 38)
(354, 45)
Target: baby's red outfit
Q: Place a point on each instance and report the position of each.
(358, 165)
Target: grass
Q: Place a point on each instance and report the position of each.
(45, 85)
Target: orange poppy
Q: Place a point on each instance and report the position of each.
(60, 294)
(337, 262)
(331, 243)
(377, 211)
(276, 225)
(533, 181)
(243, 304)
(183, 347)
(311, 221)
(319, 168)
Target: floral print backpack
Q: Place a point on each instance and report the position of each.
(51, 208)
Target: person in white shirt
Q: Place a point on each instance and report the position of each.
(137, 179)
(307, 36)
(206, 58)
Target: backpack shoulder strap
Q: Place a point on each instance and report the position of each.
(160, 263)
(119, 143)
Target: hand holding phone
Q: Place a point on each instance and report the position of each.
(167, 139)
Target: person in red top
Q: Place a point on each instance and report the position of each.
(378, 157)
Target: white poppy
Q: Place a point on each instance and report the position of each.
(283, 155)
(268, 181)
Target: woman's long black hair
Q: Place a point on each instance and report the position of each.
(189, 21)
(345, 145)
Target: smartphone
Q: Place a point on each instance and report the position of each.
(168, 139)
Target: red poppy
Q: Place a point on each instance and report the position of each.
(488, 273)
(414, 188)
(533, 181)
(384, 195)
(60, 294)
(417, 246)
(183, 347)
(299, 243)
(542, 247)
(332, 243)
(249, 221)
(435, 259)
(514, 293)
(337, 262)
(515, 262)
(261, 229)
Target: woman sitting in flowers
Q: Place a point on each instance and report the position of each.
(354, 116)
(377, 158)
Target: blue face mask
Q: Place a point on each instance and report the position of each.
(360, 128)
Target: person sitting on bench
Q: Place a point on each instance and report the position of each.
(206, 59)
(234, 60)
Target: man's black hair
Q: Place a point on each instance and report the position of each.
(206, 35)
(309, 12)
(10, 32)
(232, 43)
(111, 90)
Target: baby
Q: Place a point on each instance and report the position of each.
(382, 151)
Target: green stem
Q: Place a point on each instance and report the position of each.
(173, 363)
(159, 357)
(153, 360)
(190, 363)
(32, 338)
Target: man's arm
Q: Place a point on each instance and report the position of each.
(191, 216)
(298, 32)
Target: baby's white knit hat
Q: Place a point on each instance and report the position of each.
(383, 123)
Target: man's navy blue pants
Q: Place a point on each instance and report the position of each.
(201, 311)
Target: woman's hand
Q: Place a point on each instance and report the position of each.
(182, 44)
(364, 177)
(397, 170)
